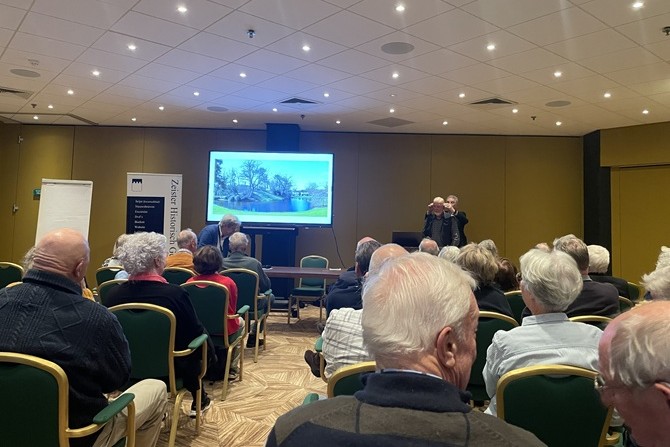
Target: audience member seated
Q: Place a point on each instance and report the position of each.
(449, 253)
(343, 333)
(208, 261)
(57, 324)
(187, 242)
(596, 298)
(419, 322)
(429, 246)
(238, 259)
(143, 256)
(657, 283)
(551, 281)
(634, 371)
(483, 267)
(506, 278)
(346, 292)
(599, 262)
(113, 261)
(490, 246)
(219, 234)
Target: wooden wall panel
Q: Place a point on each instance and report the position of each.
(9, 171)
(635, 146)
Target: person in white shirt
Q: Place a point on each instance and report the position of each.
(550, 282)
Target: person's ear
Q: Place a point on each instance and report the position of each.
(664, 388)
(357, 269)
(446, 347)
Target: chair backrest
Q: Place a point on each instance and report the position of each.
(177, 275)
(105, 287)
(347, 380)
(557, 403)
(210, 301)
(104, 274)
(24, 381)
(595, 320)
(313, 261)
(150, 331)
(247, 288)
(633, 291)
(9, 273)
(489, 323)
(625, 304)
(516, 303)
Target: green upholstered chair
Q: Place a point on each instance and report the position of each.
(633, 291)
(345, 381)
(104, 274)
(10, 273)
(489, 324)
(516, 303)
(625, 304)
(35, 395)
(309, 289)
(247, 295)
(105, 287)
(318, 348)
(210, 301)
(150, 331)
(557, 403)
(177, 275)
(595, 320)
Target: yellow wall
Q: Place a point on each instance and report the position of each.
(515, 190)
(640, 174)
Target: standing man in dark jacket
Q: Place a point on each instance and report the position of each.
(444, 223)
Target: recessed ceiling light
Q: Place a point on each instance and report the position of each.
(392, 95)
(461, 95)
(326, 94)
(638, 5)
(306, 48)
(444, 123)
(490, 47)
(35, 117)
(558, 74)
(338, 122)
(161, 108)
(133, 119)
(391, 110)
(243, 75)
(395, 75)
(50, 106)
(196, 93)
(70, 92)
(645, 112)
(182, 9)
(558, 123)
(274, 109)
(235, 121)
(607, 95)
(132, 47)
(400, 8)
(515, 110)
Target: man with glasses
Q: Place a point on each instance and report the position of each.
(634, 364)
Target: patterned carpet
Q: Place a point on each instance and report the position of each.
(277, 383)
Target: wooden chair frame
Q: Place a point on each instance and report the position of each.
(347, 371)
(590, 319)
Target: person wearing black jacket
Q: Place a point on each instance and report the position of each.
(444, 223)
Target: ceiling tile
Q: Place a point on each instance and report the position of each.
(147, 83)
(155, 30)
(506, 85)
(165, 73)
(217, 47)
(512, 12)
(5, 37)
(440, 61)
(652, 87)
(292, 47)
(474, 74)
(271, 61)
(420, 46)
(10, 18)
(660, 49)
(591, 45)
(506, 44)
(200, 14)
(352, 61)
(232, 72)
(585, 86)
(359, 86)
(63, 30)
(569, 70)
(78, 83)
(385, 75)
(648, 30)
(561, 25)
(107, 75)
(629, 58)
(48, 47)
(431, 85)
(348, 29)
(289, 86)
(383, 11)
(105, 59)
(129, 92)
(236, 25)
(317, 73)
(284, 12)
(528, 61)
(118, 43)
(451, 28)
(99, 14)
(190, 61)
(216, 84)
(35, 62)
(646, 73)
(618, 13)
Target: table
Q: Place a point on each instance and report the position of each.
(302, 272)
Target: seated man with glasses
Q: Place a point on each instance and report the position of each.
(634, 370)
(550, 283)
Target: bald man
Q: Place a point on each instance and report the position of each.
(46, 316)
(187, 242)
(634, 359)
(343, 334)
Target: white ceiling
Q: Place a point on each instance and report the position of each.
(599, 46)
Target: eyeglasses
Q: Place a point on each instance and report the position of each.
(601, 385)
(518, 277)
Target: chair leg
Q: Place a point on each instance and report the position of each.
(258, 330)
(241, 348)
(265, 332)
(321, 309)
(175, 419)
(224, 392)
(290, 301)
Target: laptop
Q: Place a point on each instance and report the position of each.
(407, 238)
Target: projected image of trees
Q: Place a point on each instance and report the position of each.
(278, 187)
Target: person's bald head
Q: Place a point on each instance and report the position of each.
(383, 253)
(63, 251)
(364, 240)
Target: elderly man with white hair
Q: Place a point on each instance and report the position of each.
(218, 234)
(550, 283)
(635, 371)
(599, 262)
(657, 283)
(187, 243)
(419, 323)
